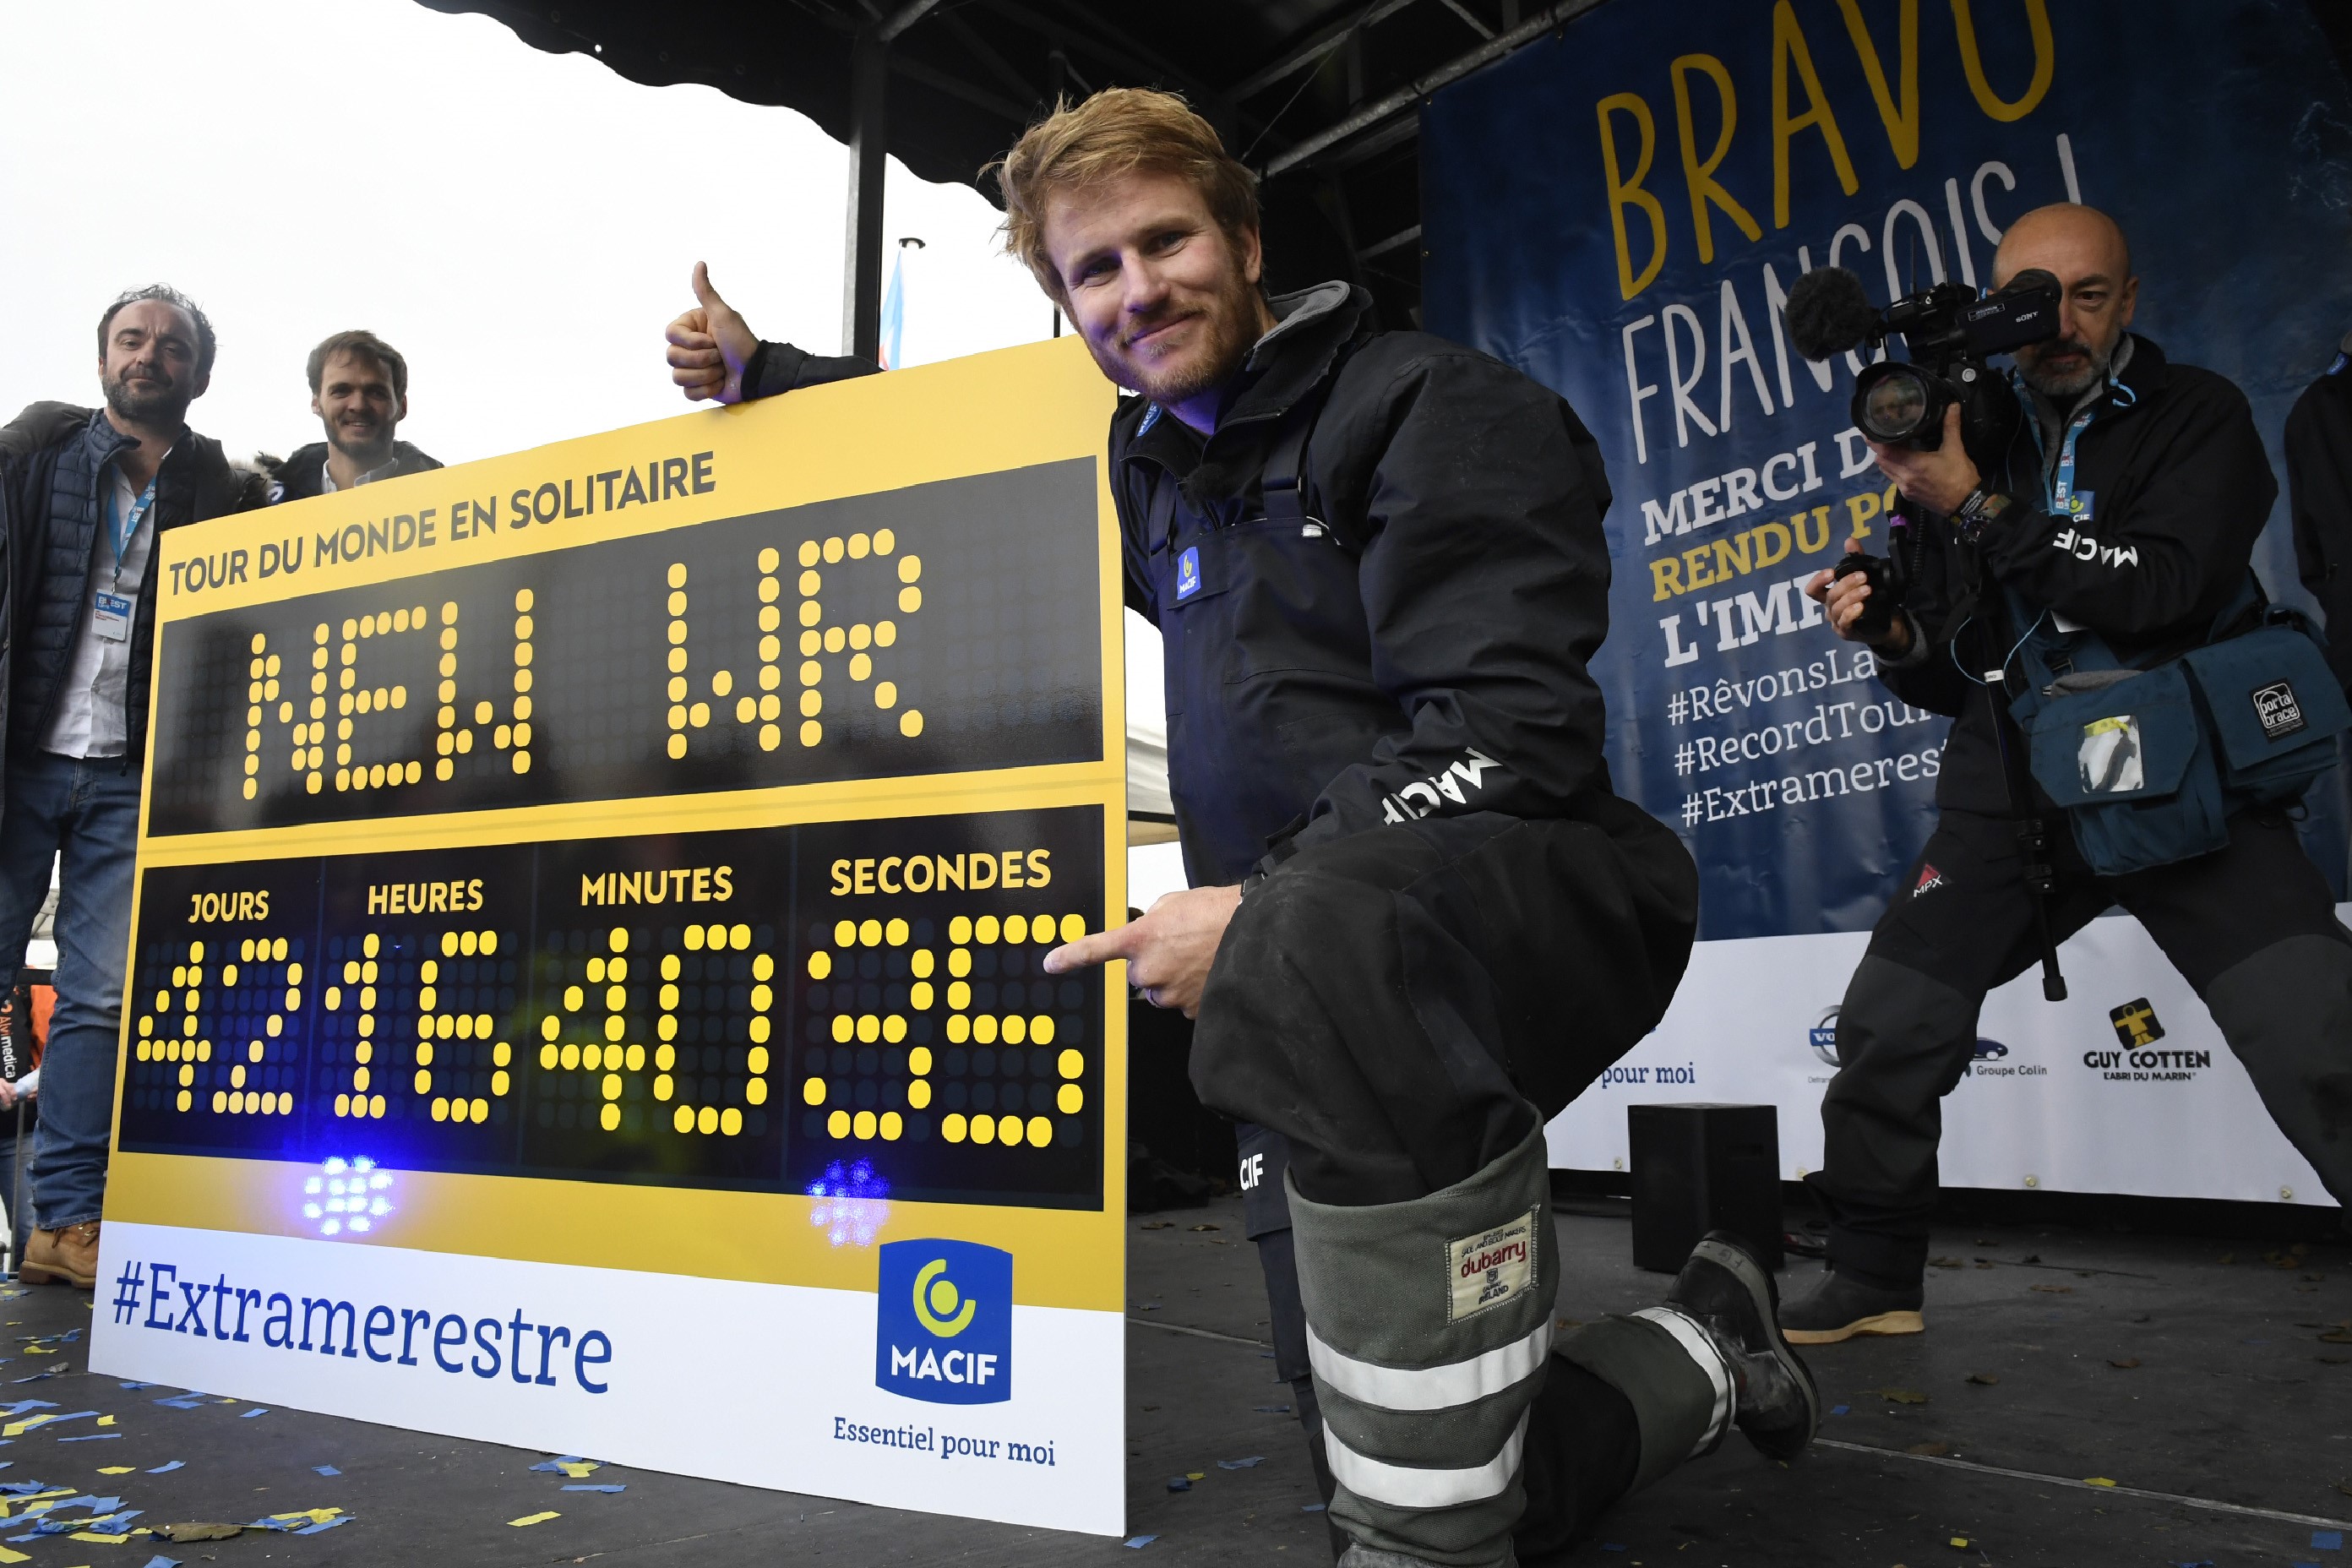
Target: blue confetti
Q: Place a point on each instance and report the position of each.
(160, 1561)
(249, 1414)
(1840, 1409)
(167, 1470)
(325, 1524)
(136, 1385)
(2327, 1540)
(1137, 1544)
(1313, 1508)
(107, 1522)
(24, 1404)
(556, 1466)
(35, 1378)
(584, 1486)
(92, 1437)
(325, 1470)
(22, 1488)
(1180, 1484)
(1252, 1462)
(181, 1401)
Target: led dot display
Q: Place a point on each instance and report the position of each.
(742, 652)
(738, 1008)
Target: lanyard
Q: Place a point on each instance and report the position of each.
(2061, 488)
(121, 531)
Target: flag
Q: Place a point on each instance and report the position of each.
(894, 311)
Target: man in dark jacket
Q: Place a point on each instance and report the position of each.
(358, 390)
(85, 497)
(2129, 502)
(2319, 495)
(1420, 922)
(2319, 499)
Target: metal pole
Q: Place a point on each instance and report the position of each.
(1421, 86)
(869, 150)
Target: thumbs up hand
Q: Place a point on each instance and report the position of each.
(710, 345)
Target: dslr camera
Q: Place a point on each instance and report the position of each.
(1951, 334)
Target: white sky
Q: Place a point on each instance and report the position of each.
(519, 225)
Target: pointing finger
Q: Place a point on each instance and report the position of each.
(1089, 951)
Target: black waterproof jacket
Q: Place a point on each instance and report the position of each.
(2176, 488)
(1423, 651)
(51, 456)
(2319, 495)
(299, 476)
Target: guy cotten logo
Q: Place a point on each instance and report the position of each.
(944, 1322)
(2135, 1024)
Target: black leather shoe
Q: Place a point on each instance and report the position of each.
(1730, 1294)
(1842, 1307)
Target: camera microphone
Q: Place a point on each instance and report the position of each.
(1829, 313)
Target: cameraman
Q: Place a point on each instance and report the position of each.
(2170, 488)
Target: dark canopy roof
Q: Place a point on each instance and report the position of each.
(1321, 96)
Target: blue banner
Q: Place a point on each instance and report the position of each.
(1621, 210)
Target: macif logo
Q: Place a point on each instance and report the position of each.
(944, 1322)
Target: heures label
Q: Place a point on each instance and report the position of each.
(944, 1322)
(1491, 1267)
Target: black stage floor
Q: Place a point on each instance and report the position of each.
(2191, 1375)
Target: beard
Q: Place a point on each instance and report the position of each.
(142, 401)
(2089, 370)
(1225, 324)
(369, 444)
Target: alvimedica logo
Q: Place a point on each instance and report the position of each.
(944, 1322)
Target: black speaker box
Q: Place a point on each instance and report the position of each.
(1698, 1168)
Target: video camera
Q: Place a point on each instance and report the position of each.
(1951, 334)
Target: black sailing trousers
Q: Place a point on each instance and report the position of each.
(1397, 1010)
(2251, 926)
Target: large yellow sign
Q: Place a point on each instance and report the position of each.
(638, 853)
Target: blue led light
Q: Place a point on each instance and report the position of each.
(347, 1197)
(851, 1203)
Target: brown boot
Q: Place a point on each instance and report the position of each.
(68, 1257)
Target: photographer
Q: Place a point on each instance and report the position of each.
(2126, 504)
(1377, 561)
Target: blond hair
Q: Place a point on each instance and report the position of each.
(1116, 132)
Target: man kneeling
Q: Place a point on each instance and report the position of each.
(1419, 924)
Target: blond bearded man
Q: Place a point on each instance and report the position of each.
(1419, 920)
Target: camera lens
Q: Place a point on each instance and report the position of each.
(1895, 404)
